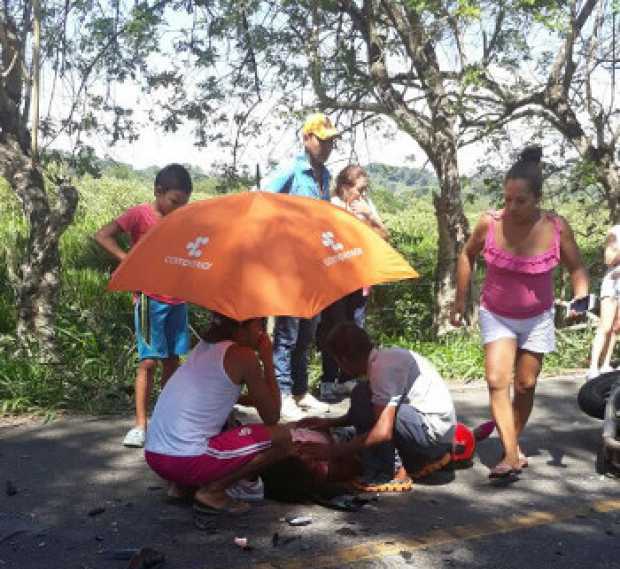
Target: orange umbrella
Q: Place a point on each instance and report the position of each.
(258, 254)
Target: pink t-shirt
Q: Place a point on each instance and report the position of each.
(516, 286)
(136, 222)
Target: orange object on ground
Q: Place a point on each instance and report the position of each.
(260, 254)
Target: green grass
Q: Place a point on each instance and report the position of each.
(95, 329)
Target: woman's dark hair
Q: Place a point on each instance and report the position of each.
(348, 340)
(347, 177)
(528, 168)
(223, 328)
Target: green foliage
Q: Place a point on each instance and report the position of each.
(468, 9)
(401, 179)
(95, 328)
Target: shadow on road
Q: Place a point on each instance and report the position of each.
(86, 496)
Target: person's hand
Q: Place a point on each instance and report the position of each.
(457, 313)
(314, 423)
(360, 207)
(315, 451)
(265, 347)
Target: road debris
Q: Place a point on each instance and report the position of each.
(298, 520)
(146, 558)
(242, 542)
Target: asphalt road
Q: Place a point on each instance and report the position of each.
(80, 498)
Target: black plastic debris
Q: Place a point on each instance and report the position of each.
(205, 523)
(282, 540)
(96, 511)
(146, 558)
(11, 489)
(344, 503)
(346, 532)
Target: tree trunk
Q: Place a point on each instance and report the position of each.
(609, 178)
(36, 282)
(453, 230)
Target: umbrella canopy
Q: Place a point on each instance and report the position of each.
(259, 254)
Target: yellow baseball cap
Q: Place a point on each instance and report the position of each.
(319, 125)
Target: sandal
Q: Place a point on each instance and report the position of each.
(433, 466)
(504, 470)
(395, 485)
(232, 507)
(523, 461)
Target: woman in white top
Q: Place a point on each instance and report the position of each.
(605, 338)
(185, 443)
(350, 193)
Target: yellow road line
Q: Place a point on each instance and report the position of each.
(384, 548)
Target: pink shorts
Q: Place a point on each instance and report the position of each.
(225, 453)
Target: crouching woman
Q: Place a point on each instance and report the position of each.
(185, 443)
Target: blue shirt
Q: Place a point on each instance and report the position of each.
(298, 179)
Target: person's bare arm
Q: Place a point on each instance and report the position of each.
(465, 266)
(242, 366)
(106, 238)
(612, 251)
(571, 259)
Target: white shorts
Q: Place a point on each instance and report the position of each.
(535, 334)
(610, 287)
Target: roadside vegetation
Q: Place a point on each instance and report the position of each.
(95, 373)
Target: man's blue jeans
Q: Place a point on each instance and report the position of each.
(292, 338)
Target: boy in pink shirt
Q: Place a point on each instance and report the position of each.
(160, 321)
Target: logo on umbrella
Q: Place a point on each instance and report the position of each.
(328, 239)
(193, 247)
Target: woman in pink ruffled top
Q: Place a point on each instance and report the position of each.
(521, 245)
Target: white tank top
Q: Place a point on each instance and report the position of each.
(194, 404)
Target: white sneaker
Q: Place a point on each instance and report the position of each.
(310, 403)
(592, 374)
(290, 411)
(247, 490)
(135, 437)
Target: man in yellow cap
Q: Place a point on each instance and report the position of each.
(306, 176)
